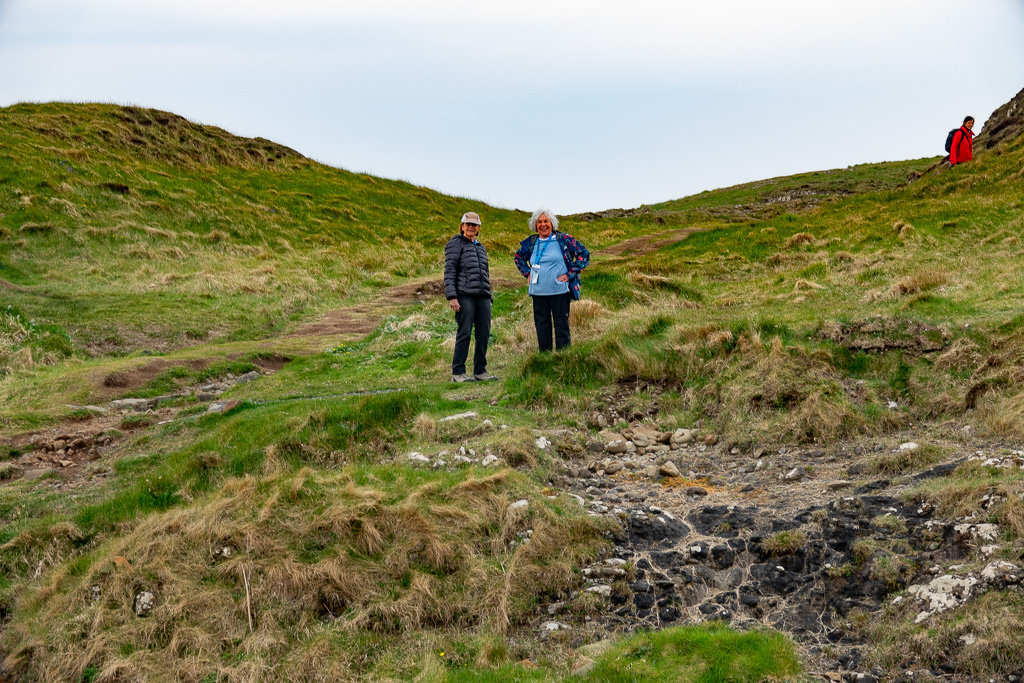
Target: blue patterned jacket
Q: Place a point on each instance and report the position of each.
(575, 254)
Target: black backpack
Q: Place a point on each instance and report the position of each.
(949, 140)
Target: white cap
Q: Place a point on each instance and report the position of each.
(471, 217)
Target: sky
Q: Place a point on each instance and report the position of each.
(568, 104)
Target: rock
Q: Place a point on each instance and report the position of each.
(601, 421)
(631, 465)
(696, 491)
(459, 416)
(909, 446)
(583, 666)
(613, 467)
(616, 447)
(839, 484)
(1000, 574)
(130, 404)
(418, 458)
(650, 471)
(144, 602)
(597, 649)
(97, 593)
(246, 378)
(518, 505)
(602, 590)
(489, 460)
(668, 469)
(461, 460)
(682, 436)
(222, 407)
(554, 626)
(710, 440)
(438, 464)
(487, 424)
(543, 443)
(941, 594)
(795, 474)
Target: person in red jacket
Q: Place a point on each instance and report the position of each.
(963, 143)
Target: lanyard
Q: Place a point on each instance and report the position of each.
(539, 253)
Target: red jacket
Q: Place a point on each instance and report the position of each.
(962, 148)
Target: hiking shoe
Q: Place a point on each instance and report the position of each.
(462, 378)
(484, 377)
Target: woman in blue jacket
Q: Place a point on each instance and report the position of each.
(551, 261)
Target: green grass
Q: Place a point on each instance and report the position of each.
(132, 236)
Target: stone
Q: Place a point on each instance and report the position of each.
(795, 474)
(696, 491)
(487, 424)
(668, 469)
(682, 436)
(144, 603)
(616, 447)
(543, 443)
(908, 446)
(418, 458)
(459, 416)
(222, 407)
(489, 460)
(941, 594)
(246, 378)
(130, 404)
(1000, 574)
(438, 464)
(461, 460)
(650, 471)
(613, 467)
(554, 626)
(601, 421)
(602, 590)
(839, 484)
(518, 505)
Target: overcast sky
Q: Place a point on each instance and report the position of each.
(576, 105)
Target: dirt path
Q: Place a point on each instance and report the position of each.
(645, 244)
(362, 319)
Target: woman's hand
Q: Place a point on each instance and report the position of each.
(454, 303)
(563, 278)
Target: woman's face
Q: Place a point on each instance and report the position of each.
(544, 225)
(470, 230)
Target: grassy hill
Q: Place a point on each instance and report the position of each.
(142, 255)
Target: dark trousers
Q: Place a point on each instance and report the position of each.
(474, 311)
(552, 308)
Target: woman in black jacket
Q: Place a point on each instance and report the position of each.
(467, 286)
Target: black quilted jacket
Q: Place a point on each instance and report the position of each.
(465, 269)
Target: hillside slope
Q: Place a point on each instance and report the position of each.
(799, 414)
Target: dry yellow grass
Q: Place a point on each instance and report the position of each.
(258, 562)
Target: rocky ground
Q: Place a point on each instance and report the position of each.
(801, 539)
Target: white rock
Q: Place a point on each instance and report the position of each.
(968, 639)
(553, 626)
(578, 499)
(489, 460)
(519, 505)
(487, 424)
(418, 458)
(1000, 573)
(459, 416)
(461, 460)
(144, 603)
(909, 446)
(438, 464)
(943, 593)
(893, 405)
(603, 591)
(543, 443)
